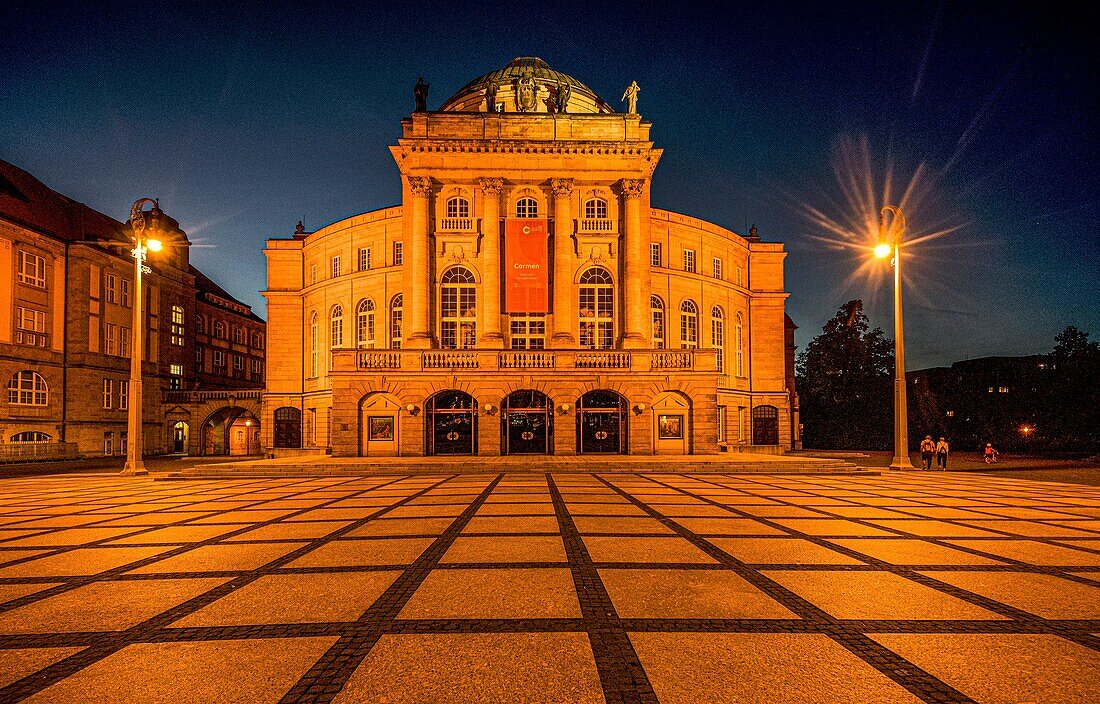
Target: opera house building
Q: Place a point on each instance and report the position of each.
(526, 298)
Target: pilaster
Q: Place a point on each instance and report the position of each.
(491, 336)
(564, 308)
(417, 269)
(635, 267)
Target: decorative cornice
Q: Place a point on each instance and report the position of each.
(421, 186)
(562, 187)
(633, 187)
(491, 186)
(412, 146)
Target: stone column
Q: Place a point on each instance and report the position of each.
(490, 255)
(635, 294)
(416, 269)
(564, 307)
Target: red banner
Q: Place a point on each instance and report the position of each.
(527, 278)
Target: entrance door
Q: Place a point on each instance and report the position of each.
(526, 423)
(601, 423)
(765, 425)
(179, 438)
(379, 432)
(452, 424)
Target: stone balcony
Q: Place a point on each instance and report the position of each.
(505, 361)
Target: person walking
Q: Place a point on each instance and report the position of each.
(990, 453)
(927, 449)
(942, 449)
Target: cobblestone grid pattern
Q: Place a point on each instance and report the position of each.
(558, 588)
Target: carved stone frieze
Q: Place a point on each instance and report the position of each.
(633, 187)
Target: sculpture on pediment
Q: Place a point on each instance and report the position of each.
(491, 97)
(631, 97)
(420, 93)
(561, 98)
(526, 91)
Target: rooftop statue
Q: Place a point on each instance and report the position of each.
(420, 93)
(631, 97)
(491, 97)
(561, 102)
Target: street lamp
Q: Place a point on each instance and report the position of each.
(139, 222)
(882, 250)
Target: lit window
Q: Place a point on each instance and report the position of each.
(28, 388)
(527, 208)
(176, 370)
(595, 209)
(398, 252)
(717, 268)
(313, 344)
(30, 327)
(739, 344)
(458, 309)
(176, 328)
(458, 207)
(112, 288)
(527, 332)
(32, 270)
(657, 313)
(1002, 389)
(689, 260)
(108, 393)
(689, 325)
(597, 309)
(335, 267)
(124, 395)
(655, 254)
(718, 338)
(396, 307)
(364, 324)
(124, 292)
(364, 258)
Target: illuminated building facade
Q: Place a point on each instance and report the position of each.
(525, 298)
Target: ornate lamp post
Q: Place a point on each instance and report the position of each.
(882, 250)
(140, 223)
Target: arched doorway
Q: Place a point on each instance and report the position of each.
(230, 431)
(765, 425)
(379, 425)
(671, 424)
(288, 427)
(181, 432)
(526, 423)
(452, 424)
(601, 423)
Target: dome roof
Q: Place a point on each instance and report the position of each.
(506, 80)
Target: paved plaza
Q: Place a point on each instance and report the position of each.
(677, 588)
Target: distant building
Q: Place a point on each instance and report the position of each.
(526, 298)
(66, 309)
(989, 399)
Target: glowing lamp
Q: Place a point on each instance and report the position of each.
(154, 245)
(882, 251)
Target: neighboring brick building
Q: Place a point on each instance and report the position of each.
(526, 298)
(65, 334)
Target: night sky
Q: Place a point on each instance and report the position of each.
(244, 120)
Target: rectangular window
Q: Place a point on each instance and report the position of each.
(689, 260)
(238, 362)
(335, 267)
(364, 258)
(123, 342)
(112, 288)
(176, 370)
(111, 339)
(717, 268)
(312, 273)
(176, 326)
(655, 254)
(528, 332)
(398, 251)
(198, 358)
(219, 358)
(30, 327)
(32, 270)
(721, 424)
(108, 444)
(108, 393)
(124, 395)
(740, 276)
(124, 292)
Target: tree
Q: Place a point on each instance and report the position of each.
(1069, 403)
(845, 382)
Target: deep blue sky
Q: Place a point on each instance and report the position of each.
(244, 119)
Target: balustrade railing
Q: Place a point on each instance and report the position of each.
(597, 225)
(672, 360)
(602, 360)
(526, 360)
(638, 361)
(450, 360)
(456, 224)
(379, 360)
(180, 396)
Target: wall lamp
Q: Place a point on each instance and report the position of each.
(639, 409)
(490, 409)
(412, 409)
(563, 408)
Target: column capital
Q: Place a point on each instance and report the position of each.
(562, 187)
(421, 185)
(632, 187)
(491, 186)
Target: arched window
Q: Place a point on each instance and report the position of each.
(176, 330)
(219, 329)
(458, 309)
(458, 207)
(597, 309)
(657, 312)
(336, 330)
(29, 437)
(718, 337)
(313, 344)
(28, 388)
(527, 208)
(689, 325)
(199, 325)
(595, 209)
(396, 304)
(739, 344)
(364, 324)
